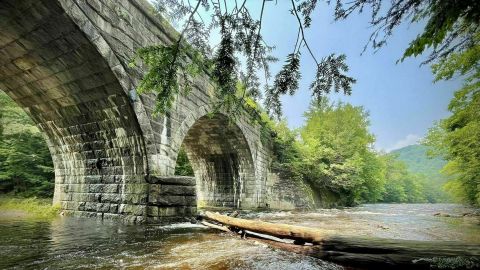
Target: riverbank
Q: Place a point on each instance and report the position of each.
(27, 208)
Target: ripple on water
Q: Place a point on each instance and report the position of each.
(87, 243)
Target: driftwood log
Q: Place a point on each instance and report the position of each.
(365, 253)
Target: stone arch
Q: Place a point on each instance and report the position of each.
(66, 62)
(221, 159)
(52, 69)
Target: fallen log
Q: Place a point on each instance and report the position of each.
(367, 253)
(215, 226)
(282, 231)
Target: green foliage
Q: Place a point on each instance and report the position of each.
(183, 166)
(417, 160)
(12, 118)
(332, 153)
(329, 76)
(240, 55)
(427, 169)
(451, 26)
(337, 154)
(456, 138)
(167, 65)
(26, 166)
(286, 81)
(400, 184)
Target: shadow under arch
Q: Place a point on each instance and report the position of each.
(221, 160)
(67, 83)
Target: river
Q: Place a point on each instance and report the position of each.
(76, 243)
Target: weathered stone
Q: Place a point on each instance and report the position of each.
(134, 210)
(172, 180)
(160, 190)
(111, 198)
(152, 211)
(135, 198)
(68, 69)
(173, 200)
(136, 188)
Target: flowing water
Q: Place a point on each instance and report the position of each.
(76, 243)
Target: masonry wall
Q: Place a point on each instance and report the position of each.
(51, 69)
(66, 62)
(129, 25)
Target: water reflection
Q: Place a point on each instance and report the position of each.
(88, 243)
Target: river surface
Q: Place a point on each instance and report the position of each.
(76, 243)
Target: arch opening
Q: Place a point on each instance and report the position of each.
(51, 69)
(221, 161)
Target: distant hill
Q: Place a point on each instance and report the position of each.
(417, 161)
(415, 156)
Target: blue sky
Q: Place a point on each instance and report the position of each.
(402, 99)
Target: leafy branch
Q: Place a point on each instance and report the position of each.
(237, 60)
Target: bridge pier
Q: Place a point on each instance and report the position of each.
(66, 63)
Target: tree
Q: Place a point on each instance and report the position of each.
(451, 26)
(400, 184)
(456, 138)
(26, 166)
(183, 166)
(337, 153)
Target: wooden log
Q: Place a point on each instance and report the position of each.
(215, 226)
(369, 253)
(285, 231)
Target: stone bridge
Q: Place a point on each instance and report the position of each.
(66, 62)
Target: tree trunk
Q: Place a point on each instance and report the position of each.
(282, 231)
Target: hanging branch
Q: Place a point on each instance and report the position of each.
(165, 61)
(303, 32)
(329, 73)
(241, 36)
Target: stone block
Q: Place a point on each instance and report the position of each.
(134, 210)
(167, 211)
(136, 188)
(173, 180)
(103, 188)
(111, 198)
(177, 190)
(173, 200)
(103, 207)
(152, 211)
(135, 198)
(90, 206)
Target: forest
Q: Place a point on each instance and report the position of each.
(333, 153)
(26, 167)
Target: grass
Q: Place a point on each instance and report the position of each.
(35, 208)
